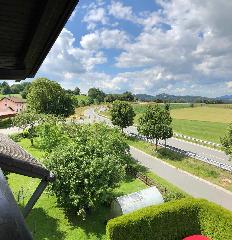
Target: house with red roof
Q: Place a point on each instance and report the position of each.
(10, 106)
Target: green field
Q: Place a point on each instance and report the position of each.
(208, 114)
(81, 97)
(12, 95)
(209, 131)
(206, 122)
(48, 221)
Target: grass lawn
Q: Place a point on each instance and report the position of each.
(48, 221)
(209, 131)
(12, 95)
(209, 114)
(205, 130)
(196, 167)
(81, 97)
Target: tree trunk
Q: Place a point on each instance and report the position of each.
(156, 144)
(32, 142)
(165, 142)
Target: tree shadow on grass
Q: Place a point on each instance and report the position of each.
(95, 223)
(43, 226)
(165, 153)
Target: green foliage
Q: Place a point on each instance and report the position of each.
(88, 165)
(173, 220)
(5, 123)
(46, 96)
(51, 133)
(126, 96)
(5, 88)
(227, 141)
(156, 123)
(96, 94)
(28, 122)
(122, 114)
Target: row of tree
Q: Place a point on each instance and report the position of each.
(21, 88)
(98, 96)
(155, 123)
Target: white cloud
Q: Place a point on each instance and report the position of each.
(229, 84)
(105, 38)
(65, 58)
(118, 10)
(183, 48)
(94, 16)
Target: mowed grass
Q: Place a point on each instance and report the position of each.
(208, 114)
(209, 131)
(203, 170)
(12, 95)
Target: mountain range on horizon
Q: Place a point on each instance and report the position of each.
(185, 98)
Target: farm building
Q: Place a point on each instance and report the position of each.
(10, 106)
(134, 201)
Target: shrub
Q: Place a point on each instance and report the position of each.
(88, 166)
(173, 220)
(16, 137)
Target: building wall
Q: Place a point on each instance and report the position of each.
(6, 103)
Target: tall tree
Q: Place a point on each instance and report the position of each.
(155, 123)
(5, 88)
(127, 96)
(122, 114)
(150, 123)
(76, 91)
(166, 121)
(46, 96)
(96, 94)
(227, 141)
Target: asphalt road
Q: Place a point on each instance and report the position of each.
(189, 183)
(174, 142)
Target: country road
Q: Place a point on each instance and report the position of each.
(189, 183)
(174, 142)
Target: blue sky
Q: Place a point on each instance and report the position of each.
(181, 47)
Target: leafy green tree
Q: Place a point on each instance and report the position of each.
(46, 96)
(76, 91)
(26, 87)
(122, 114)
(227, 141)
(96, 94)
(88, 166)
(155, 123)
(166, 127)
(127, 96)
(27, 121)
(110, 98)
(5, 88)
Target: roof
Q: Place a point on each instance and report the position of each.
(15, 159)
(15, 99)
(144, 198)
(7, 112)
(28, 29)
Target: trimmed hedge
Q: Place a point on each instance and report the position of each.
(173, 221)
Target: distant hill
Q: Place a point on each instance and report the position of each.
(164, 97)
(145, 97)
(225, 97)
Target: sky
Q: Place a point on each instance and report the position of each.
(181, 47)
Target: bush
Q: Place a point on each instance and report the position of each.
(87, 166)
(173, 220)
(16, 137)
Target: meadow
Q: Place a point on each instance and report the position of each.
(10, 95)
(206, 122)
